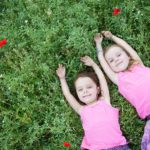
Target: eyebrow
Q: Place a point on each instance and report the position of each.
(82, 87)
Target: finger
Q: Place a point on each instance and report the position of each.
(83, 58)
(59, 65)
(88, 58)
(103, 32)
(97, 35)
(83, 61)
(101, 35)
(107, 33)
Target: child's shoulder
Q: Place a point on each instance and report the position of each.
(108, 105)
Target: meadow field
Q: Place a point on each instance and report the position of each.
(41, 34)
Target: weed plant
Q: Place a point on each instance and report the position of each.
(40, 34)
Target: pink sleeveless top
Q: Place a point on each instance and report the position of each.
(134, 85)
(101, 126)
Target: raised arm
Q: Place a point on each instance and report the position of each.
(112, 75)
(65, 89)
(124, 45)
(102, 81)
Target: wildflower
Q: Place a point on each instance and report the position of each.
(26, 21)
(67, 144)
(116, 11)
(3, 42)
(49, 12)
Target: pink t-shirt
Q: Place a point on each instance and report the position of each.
(134, 85)
(100, 122)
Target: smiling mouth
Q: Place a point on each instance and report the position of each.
(86, 95)
(118, 63)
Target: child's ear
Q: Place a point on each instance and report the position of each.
(98, 89)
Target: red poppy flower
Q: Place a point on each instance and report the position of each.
(116, 11)
(3, 42)
(67, 144)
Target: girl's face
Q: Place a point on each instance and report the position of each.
(87, 90)
(117, 59)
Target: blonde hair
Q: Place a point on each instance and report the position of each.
(132, 61)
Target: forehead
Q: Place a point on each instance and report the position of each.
(113, 51)
(82, 81)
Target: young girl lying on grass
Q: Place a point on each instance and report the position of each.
(124, 67)
(100, 120)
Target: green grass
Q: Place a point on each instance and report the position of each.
(42, 34)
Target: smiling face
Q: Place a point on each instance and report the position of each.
(117, 59)
(87, 90)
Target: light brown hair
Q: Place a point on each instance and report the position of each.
(90, 75)
(132, 61)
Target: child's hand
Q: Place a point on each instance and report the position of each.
(61, 71)
(87, 61)
(98, 38)
(107, 34)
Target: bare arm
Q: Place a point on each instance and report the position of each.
(102, 81)
(65, 89)
(124, 45)
(112, 75)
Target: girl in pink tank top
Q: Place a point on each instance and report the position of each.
(99, 119)
(125, 68)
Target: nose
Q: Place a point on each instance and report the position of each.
(85, 91)
(116, 60)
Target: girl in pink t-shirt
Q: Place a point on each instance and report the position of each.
(99, 119)
(125, 68)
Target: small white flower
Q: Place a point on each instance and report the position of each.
(49, 12)
(26, 21)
